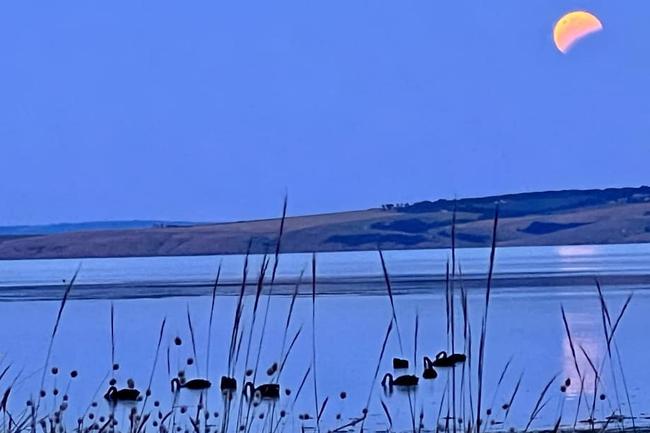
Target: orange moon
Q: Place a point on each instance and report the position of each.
(573, 27)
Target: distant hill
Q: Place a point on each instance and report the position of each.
(615, 215)
(46, 229)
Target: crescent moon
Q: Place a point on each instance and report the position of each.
(573, 27)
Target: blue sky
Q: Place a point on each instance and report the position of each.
(212, 110)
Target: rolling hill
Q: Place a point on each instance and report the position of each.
(616, 215)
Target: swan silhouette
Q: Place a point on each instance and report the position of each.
(228, 383)
(399, 363)
(265, 391)
(125, 394)
(444, 360)
(194, 384)
(429, 372)
(407, 380)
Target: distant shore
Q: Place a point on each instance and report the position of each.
(572, 217)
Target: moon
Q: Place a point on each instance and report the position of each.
(573, 27)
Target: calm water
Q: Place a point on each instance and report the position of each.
(352, 315)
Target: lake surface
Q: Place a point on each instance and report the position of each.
(525, 330)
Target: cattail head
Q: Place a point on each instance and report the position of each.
(130, 383)
(178, 341)
(55, 371)
(343, 395)
(74, 374)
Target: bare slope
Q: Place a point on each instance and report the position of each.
(547, 218)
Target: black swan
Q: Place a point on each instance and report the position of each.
(125, 394)
(444, 360)
(405, 380)
(195, 384)
(265, 391)
(429, 372)
(228, 383)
